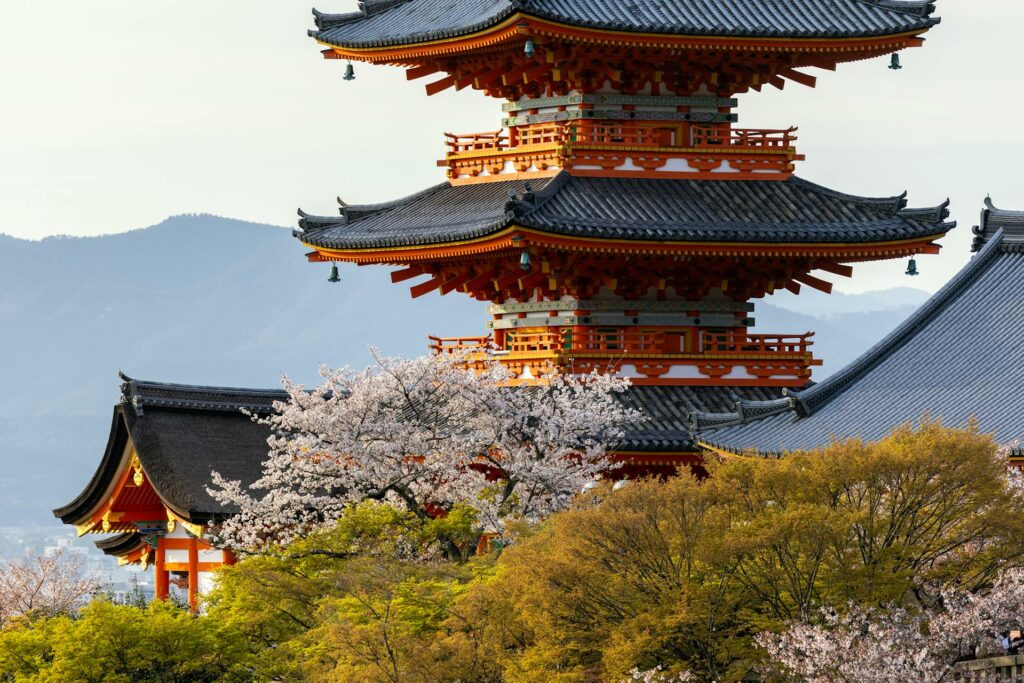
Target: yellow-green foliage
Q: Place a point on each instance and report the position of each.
(120, 644)
(680, 574)
(684, 573)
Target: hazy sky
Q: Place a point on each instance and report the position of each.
(118, 113)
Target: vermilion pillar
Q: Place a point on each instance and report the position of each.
(162, 575)
(193, 574)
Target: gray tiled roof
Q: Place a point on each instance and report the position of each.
(182, 434)
(668, 410)
(994, 220)
(794, 210)
(396, 22)
(960, 356)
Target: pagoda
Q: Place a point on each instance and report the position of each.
(621, 220)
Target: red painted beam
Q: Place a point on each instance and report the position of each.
(406, 274)
(426, 287)
(532, 280)
(836, 269)
(455, 283)
(421, 71)
(815, 282)
(485, 281)
(438, 86)
(799, 77)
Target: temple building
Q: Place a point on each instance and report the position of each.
(620, 220)
(958, 359)
(150, 487)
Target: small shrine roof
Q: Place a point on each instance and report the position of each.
(704, 211)
(181, 434)
(121, 543)
(381, 23)
(957, 358)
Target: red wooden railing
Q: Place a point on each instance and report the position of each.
(720, 136)
(626, 134)
(475, 141)
(745, 344)
(459, 345)
(617, 342)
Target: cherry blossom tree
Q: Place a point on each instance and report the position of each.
(881, 645)
(657, 675)
(877, 645)
(47, 584)
(425, 435)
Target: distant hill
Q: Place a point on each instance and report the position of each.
(202, 299)
(814, 303)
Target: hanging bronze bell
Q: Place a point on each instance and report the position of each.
(530, 49)
(350, 72)
(912, 268)
(335, 276)
(895, 63)
(524, 261)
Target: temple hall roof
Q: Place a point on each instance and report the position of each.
(381, 23)
(708, 211)
(181, 434)
(957, 358)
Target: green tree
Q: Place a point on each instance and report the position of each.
(121, 644)
(684, 573)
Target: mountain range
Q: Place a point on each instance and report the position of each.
(208, 300)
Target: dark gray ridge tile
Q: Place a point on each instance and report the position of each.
(392, 22)
(626, 208)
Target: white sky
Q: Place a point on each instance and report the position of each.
(118, 113)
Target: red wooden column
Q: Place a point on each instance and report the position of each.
(162, 575)
(193, 574)
(229, 558)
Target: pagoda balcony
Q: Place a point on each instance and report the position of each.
(622, 149)
(646, 356)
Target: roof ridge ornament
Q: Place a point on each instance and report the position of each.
(367, 8)
(995, 221)
(919, 8)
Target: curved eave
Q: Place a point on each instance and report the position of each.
(519, 25)
(504, 240)
(97, 493)
(726, 452)
(122, 544)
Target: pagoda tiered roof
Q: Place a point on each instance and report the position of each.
(956, 359)
(381, 23)
(794, 211)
